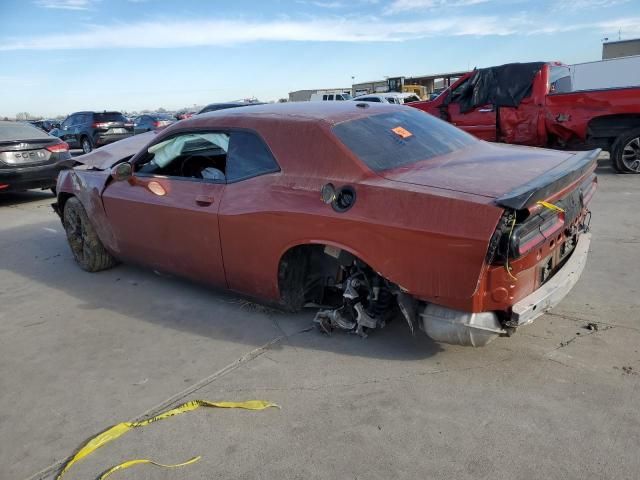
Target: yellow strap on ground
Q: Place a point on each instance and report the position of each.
(121, 428)
(550, 206)
(142, 461)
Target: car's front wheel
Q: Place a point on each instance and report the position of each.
(86, 145)
(625, 153)
(85, 245)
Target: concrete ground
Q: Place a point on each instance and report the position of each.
(80, 352)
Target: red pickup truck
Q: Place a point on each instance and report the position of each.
(534, 104)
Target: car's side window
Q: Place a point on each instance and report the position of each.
(248, 157)
(195, 156)
(459, 91)
(68, 122)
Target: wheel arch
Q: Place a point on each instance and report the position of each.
(612, 126)
(63, 198)
(298, 259)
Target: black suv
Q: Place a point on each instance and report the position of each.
(89, 130)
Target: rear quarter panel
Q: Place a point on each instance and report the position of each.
(568, 114)
(431, 242)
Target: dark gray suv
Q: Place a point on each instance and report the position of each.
(89, 130)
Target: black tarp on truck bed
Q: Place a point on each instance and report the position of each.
(503, 86)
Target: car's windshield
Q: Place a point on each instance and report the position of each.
(397, 139)
(20, 131)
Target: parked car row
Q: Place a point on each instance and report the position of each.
(46, 125)
(32, 154)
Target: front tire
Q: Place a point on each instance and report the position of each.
(625, 153)
(86, 247)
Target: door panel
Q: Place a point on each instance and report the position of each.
(169, 224)
(68, 129)
(480, 122)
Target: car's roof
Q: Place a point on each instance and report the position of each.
(327, 112)
(97, 111)
(222, 105)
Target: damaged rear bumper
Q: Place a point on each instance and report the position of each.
(477, 329)
(553, 292)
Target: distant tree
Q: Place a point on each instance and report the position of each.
(6, 119)
(161, 110)
(283, 100)
(22, 116)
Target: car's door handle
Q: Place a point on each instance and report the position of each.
(204, 200)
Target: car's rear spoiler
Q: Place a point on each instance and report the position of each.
(550, 182)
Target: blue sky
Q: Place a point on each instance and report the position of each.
(61, 56)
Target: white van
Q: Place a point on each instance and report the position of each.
(389, 97)
(329, 97)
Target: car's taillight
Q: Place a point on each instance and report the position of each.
(534, 232)
(99, 125)
(157, 124)
(128, 125)
(58, 147)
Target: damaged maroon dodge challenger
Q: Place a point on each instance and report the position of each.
(366, 212)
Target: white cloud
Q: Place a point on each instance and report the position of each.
(338, 4)
(334, 4)
(66, 4)
(399, 6)
(221, 32)
(196, 33)
(578, 5)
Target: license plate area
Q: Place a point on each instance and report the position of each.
(25, 157)
(116, 131)
(553, 262)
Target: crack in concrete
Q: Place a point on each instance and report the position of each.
(590, 320)
(244, 359)
(364, 382)
(561, 363)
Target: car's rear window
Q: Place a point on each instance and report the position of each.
(109, 117)
(20, 131)
(397, 139)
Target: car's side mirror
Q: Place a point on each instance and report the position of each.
(122, 171)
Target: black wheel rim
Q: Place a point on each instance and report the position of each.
(631, 155)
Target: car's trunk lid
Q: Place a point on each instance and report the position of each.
(15, 153)
(514, 176)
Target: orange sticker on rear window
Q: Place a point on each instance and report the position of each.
(402, 132)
